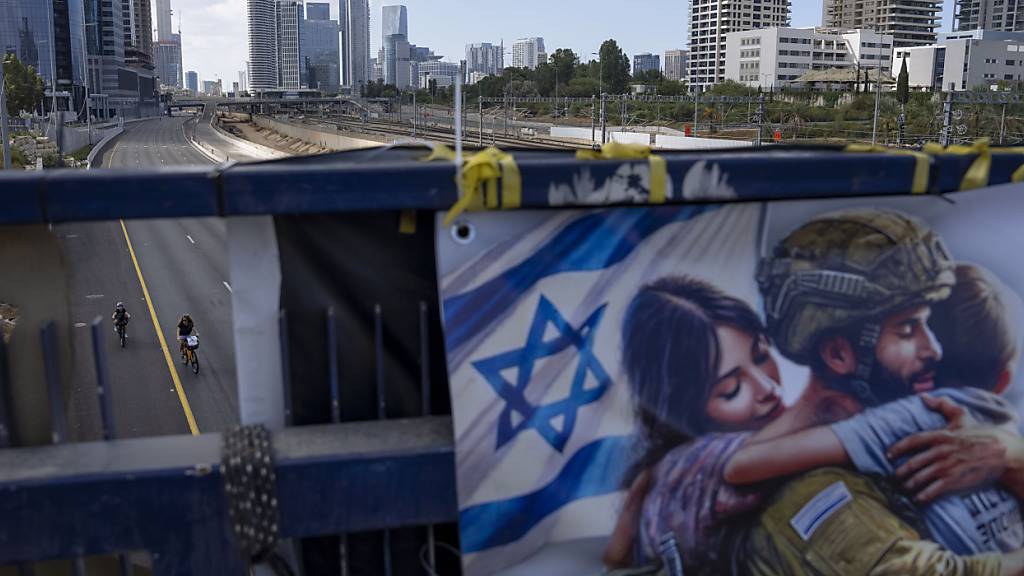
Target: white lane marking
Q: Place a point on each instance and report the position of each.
(94, 296)
(71, 236)
(228, 286)
(190, 239)
(80, 324)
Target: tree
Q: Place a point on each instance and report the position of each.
(24, 88)
(615, 65)
(564, 61)
(903, 85)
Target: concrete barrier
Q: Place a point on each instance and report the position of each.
(97, 150)
(254, 148)
(328, 140)
(693, 143)
(631, 138)
(574, 132)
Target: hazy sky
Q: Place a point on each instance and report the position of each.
(215, 43)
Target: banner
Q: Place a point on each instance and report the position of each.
(628, 369)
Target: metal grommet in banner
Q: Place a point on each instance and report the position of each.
(463, 232)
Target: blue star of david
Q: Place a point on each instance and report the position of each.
(542, 418)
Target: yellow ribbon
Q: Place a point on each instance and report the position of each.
(620, 151)
(479, 177)
(922, 163)
(977, 174)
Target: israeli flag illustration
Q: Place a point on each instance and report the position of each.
(532, 308)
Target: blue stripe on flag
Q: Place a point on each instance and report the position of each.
(594, 470)
(592, 242)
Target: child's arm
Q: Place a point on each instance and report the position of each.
(784, 456)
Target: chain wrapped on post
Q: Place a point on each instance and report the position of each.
(250, 490)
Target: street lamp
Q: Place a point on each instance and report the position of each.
(88, 74)
(604, 125)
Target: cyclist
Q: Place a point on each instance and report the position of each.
(120, 317)
(185, 329)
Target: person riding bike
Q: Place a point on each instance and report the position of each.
(120, 316)
(185, 329)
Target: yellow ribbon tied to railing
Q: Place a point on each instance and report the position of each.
(619, 151)
(977, 174)
(922, 163)
(480, 176)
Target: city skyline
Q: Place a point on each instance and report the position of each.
(215, 32)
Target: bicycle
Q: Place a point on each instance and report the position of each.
(122, 332)
(189, 355)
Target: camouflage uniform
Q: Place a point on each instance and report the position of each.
(859, 535)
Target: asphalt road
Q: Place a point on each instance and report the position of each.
(183, 263)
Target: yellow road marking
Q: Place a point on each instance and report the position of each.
(160, 335)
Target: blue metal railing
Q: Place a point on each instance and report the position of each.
(164, 495)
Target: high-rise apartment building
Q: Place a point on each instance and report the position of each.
(909, 22)
(485, 58)
(528, 53)
(289, 17)
(675, 64)
(996, 15)
(355, 15)
(263, 44)
(646, 62)
(320, 52)
(192, 81)
(711, 20)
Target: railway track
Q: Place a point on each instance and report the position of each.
(437, 133)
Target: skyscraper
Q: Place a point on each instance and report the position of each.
(711, 20)
(263, 45)
(395, 38)
(910, 22)
(164, 20)
(289, 15)
(528, 53)
(320, 52)
(138, 33)
(395, 20)
(485, 58)
(47, 34)
(192, 81)
(167, 58)
(318, 11)
(167, 48)
(356, 34)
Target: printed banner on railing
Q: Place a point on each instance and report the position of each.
(698, 386)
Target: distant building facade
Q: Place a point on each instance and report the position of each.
(485, 58)
(646, 62)
(320, 51)
(774, 57)
(528, 53)
(964, 60)
(675, 64)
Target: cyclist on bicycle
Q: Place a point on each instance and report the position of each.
(120, 316)
(185, 329)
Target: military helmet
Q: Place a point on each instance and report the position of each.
(846, 268)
